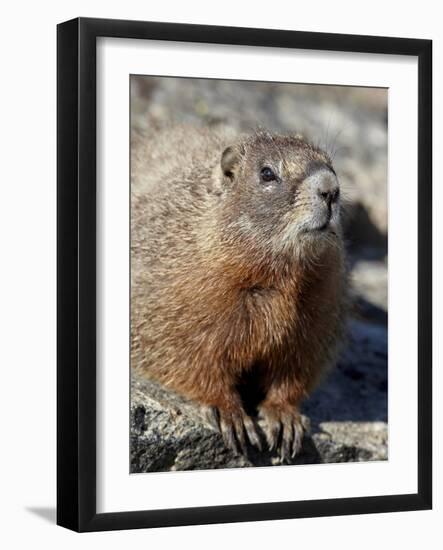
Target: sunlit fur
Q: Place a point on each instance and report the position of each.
(229, 275)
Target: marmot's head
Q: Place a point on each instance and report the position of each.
(281, 193)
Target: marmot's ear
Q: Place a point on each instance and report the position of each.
(229, 159)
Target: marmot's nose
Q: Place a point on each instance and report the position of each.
(330, 195)
(326, 186)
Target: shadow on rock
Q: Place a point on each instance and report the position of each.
(356, 390)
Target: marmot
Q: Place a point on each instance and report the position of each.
(237, 274)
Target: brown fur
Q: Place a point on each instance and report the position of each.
(229, 281)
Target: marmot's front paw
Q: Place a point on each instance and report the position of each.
(283, 429)
(235, 426)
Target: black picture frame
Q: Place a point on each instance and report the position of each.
(76, 279)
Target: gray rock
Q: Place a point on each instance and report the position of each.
(347, 416)
(369, 289)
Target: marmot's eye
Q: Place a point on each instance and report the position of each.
(267, 174)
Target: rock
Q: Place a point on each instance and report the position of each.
(347, 414)
(167, 433)
(369, 283)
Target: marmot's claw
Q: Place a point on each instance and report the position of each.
(229, 436)
(253, 436)
(237, 428)
(272, 433)
(292, 436)
(211, 416)
(283, 431)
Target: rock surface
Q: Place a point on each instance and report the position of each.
(347, 416)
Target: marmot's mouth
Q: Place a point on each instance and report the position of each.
(325, 225)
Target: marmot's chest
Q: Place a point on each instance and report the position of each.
(297, 313)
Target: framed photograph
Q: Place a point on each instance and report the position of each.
(244, 274)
